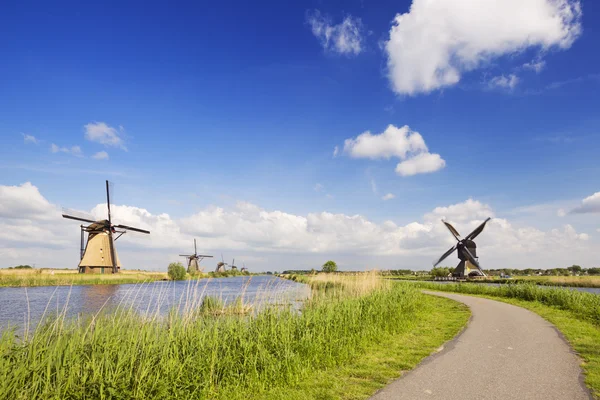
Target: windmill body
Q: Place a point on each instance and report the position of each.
(467, 253)
(193, 260)
(99, 254)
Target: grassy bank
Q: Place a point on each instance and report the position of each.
(562, 281)
(575, 314)
(361, 332)
(48, 277)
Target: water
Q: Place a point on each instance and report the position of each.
(579, 289)
(20, 305)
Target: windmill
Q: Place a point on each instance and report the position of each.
(99, 251)
(244, 269)
(193, 264)
(221, 265)
(233, 266)
(467, 252)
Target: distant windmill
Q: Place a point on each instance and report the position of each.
(244, 269)
(221, 265)
(99, 251)
(193, 260)
(467, 252)
(233, 266)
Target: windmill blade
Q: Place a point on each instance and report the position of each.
(446, 254)
(470, 257)
(186, 255)
(477, 230)
(203, 256)
(453, 231)
(108, 200)
(195, 249)
(77, 218)
(78, 215)
(129, 228)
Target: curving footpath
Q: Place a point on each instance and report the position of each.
(506, 352)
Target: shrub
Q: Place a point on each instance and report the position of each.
(176, 271)
(329, 266)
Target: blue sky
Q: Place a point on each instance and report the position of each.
(234, 101)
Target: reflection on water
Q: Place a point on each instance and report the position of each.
(18, 305)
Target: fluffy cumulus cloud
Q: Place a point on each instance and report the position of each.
(344, 38)
(433, 44)
(73, 150)
(388, 196)
(403, 143)
(590, 204)
(33, 231)
(102, 133)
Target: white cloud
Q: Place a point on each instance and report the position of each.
(590, 204)
(74, 150)
(561, 212)
(336, 150)
(388, 196)
(319, 188)
(423, 163)
(29, 139)
(344, 38)
(504, 82)
(32, 230)
(102, 133)
(401, 143)
(393, 142)
(101, 155)
(433, 44)
(535, 65)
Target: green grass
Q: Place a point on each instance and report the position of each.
(385, 359)
(575, 314)
(38, 277)
(361, 339)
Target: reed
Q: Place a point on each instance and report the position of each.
(201, 351)
(43, 277)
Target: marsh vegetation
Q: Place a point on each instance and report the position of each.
(210, 349)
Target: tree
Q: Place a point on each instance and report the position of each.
(176, 271)
(329, 266)
(575, 269)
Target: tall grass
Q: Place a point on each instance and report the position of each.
(200, 353)
(39, 277)
(583, 305)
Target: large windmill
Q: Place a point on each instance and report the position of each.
(99, 251)
(467, 252)
(193, 260)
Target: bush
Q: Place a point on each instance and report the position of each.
(329, 266)
(176, 271)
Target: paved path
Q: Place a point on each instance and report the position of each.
(505, 353)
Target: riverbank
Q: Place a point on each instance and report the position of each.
(561, 281)
(68, 277)
(359, 331)
(65, 277)
(575, 314)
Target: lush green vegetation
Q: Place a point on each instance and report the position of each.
(47, 277)
(176, 271)
(329, 266)
(575, 314)
(203, 353)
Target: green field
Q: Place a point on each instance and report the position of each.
(351, 337)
